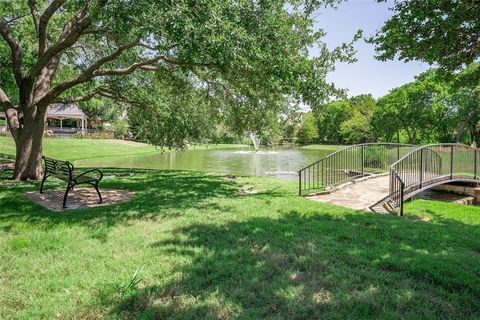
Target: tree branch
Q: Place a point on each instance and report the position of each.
(11, 113)
(95, 71)
(151, 67)
(210, 65)
(97, 31)
(87, 74)
(100, 91)
(43, 24)
(86, 97)
(15, 49)
(72, 33)
(128, 70)
(112, 94)
(35, 15)
(97, 65)
(72, 30)
(13, 19)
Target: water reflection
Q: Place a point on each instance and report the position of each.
(279, 162)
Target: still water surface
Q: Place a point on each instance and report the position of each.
(280, 162)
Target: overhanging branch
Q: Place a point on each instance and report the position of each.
(112, 94)
(128, 70)
(97, 31)
(172, 61)
(84, 98)
(95, 70)
(100, 91)
(86, 75)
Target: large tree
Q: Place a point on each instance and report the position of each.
(421, 111)
(466, 102)
(441, 32)
(244, 54)
(346, 121)
(308, 132)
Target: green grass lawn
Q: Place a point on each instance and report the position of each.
(75, 149)
(79, 149)
(202, 250)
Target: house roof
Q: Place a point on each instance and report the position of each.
(65, 111)
(62, 111)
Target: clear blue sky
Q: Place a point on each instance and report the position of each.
(367, 75)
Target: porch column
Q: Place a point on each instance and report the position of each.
(83, 125)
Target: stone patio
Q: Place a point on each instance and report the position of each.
(80, 198)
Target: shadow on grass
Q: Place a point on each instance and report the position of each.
(310, 266)
(158, 194)
(290, 259)
(154, 191)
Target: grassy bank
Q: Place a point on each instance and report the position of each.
(331, 147)
(75, 149)
(202, 250)
(78, 149)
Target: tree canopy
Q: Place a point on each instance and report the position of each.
(443, 32)
(346, 121)
(178, 63)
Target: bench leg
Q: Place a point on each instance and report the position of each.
(43, 181)
(98, 192)
(66, 194)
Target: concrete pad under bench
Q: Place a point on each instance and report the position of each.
(80, 198)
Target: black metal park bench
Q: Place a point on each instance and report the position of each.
(64, 170)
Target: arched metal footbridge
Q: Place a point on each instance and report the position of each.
(409, 170)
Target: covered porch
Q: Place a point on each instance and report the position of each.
(56, 115)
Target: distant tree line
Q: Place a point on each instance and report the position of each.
(432, 109)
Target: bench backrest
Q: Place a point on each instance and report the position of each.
(58, 168)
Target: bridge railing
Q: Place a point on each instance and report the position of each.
(350, 163)
(431, 165)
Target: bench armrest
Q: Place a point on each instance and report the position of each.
(97, 171)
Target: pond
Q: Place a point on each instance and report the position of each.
(280, 162)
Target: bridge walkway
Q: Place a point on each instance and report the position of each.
(362, 195)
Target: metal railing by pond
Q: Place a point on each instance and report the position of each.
(350, 163)
(430, 166)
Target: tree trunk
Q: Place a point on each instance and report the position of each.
(463, 126)
(473, 135)
(409, 135)
(28, 162)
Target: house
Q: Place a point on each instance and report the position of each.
(56, 114)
